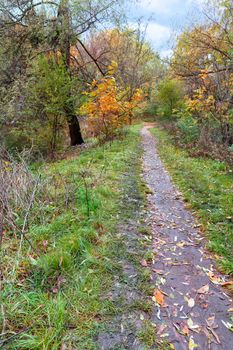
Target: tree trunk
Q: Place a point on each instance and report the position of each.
(75, 132)
(64, 43)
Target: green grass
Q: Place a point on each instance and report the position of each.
(208, 187)
(148, 334)
(53, 299)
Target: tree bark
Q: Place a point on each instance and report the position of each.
(64, 43)
(75, 131)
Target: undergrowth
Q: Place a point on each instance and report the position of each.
(53, 300)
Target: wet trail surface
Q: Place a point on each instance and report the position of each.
(191, 306)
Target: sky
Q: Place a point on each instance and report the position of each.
(163, 18)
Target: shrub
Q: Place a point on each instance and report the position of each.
(169, 96)
(188, 126)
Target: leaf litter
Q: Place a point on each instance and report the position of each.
(196, 305)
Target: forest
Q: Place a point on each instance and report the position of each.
(116, 177)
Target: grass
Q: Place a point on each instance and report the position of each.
(148, 334)
(208, 188)
(54, 299)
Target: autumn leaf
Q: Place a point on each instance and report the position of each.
(180, 244)
(226, 284)
(144, 263)
(192, 344)
(191, 325)
(158, 297)
(204, 289)
(191, 302)
(214, 279)
(228, 325)
(185, 330)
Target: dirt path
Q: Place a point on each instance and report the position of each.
(194, 306)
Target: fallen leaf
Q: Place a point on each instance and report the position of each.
(159, 272)
(191, 325)
(225, 284)
(228, 325)
(192, 344)
(164, 335)
(185, 330)
(161, 328)
(158, 297)
(177, 327)
(191, 302)
(180, 244)
(214, 334)
(204, 289)
(158, 313)
(210, 321)
(144, 263)
(214, 279)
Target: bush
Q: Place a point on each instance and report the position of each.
(169, 96)
(36, 137)
(189, 128)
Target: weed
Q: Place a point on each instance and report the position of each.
(148, 334)
(144, 230)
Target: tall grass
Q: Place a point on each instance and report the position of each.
(55, 301)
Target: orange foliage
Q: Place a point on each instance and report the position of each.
(106, 110)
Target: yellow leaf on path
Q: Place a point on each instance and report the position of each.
(204, 289)
(214, 279)
(192, 344)
(191, 302)
(191, 325)
(180, 244)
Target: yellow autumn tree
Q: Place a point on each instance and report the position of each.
(202, 59)
(105, 106)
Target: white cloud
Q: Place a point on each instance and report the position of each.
(165, 17)
(158, 34)
(167, 7)
(160, 6)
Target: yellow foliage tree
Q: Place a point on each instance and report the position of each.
(106, 109)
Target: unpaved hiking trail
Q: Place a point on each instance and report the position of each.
(195, 306)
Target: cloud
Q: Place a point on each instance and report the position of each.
(167, 7)
(165, 17)
(160, 6)
(158, 34)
